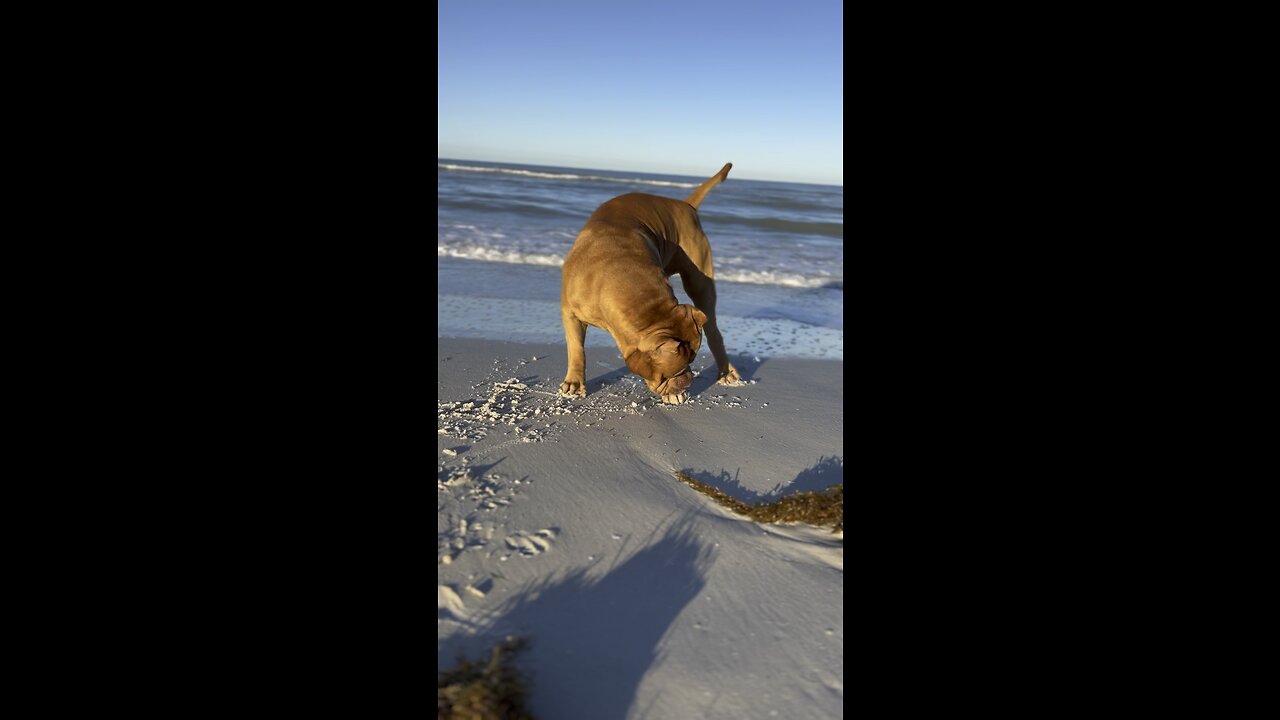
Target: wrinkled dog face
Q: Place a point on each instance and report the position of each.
(670, 376)
(663, 358)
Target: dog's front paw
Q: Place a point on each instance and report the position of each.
(675, 399)
(731, 377)
(573, 388)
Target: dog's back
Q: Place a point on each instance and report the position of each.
(645, 226)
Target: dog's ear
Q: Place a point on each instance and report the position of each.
(683, 315)
(639, 363)
(649, 342)
(658, 344)
(669, 346)
(699, 317)
(690, 321)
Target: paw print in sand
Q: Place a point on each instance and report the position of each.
(532, 544)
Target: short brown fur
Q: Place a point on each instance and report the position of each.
(615, 278)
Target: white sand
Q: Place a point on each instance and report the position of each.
(560, 521)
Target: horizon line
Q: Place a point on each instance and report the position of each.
(642, 172)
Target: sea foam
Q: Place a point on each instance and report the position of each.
(754, 277)
(563, 176)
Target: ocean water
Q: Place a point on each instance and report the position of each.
(505, 228)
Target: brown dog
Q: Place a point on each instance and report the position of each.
(615, 278)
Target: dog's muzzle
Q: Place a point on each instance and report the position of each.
(674, 392)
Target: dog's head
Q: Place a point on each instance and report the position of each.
(663, 356)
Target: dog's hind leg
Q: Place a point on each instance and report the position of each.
(575, 334)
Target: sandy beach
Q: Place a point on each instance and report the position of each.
(560, 521)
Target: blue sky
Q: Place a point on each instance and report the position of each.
(650, 85)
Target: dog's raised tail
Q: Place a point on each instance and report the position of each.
(695, 199)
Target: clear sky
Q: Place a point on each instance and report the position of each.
(646, 85)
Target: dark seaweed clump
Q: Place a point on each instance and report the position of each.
(489, 691)
(821, 509)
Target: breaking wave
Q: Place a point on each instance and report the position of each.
(754, 277)
(563, 176)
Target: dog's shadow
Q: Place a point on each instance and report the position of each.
(612, 377)
(746, 365)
